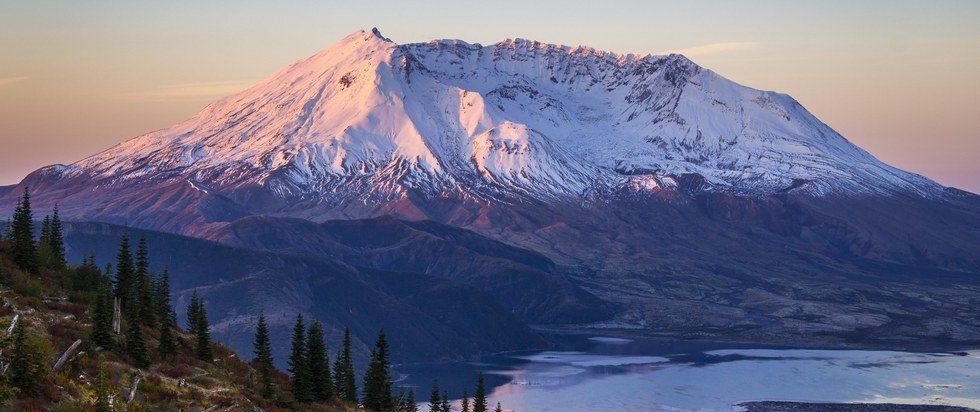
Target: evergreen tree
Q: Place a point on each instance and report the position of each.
(297, 363)
(263, 358)
(466, 402)
(410, 405)
(168, 343)
(480, 397)
(144, 285)
(343, 370)
(22, 235)
(102, 389)
(498, 409)
(377, 378)
(135, 345)
(43, 243)
(192, 312)
(161, 299)
(203, 331)
(102, 315)
(318, 364)
(27, 363)
(56, 241)
(435, 400)
(445, 407)
(124, 272)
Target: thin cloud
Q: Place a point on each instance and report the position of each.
(717, 48)
(10, 80)
(192, 91)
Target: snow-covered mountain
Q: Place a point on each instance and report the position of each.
(367, 118)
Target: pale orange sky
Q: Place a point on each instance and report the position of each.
(900, 79)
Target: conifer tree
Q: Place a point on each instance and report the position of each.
(56, 241)
(168, 343)
(377, 378)
(102, 389)
(410, 405)
(144, 285)
(343, 369)
(102, 315)
(135, 344)
(435, 400)
(27, 363)
(297, 363)
(445, 407)
(263, 358)
(466, 402)
(192, 312)
(480, 397)
(318, 364)
(22, 235)
(43, 243)
(498, 409)
(203, 331)
(161, 298)
(124, 272)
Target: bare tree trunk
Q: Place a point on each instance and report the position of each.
(13, 322)
(116, 314)
(133, 385)
(67, 355)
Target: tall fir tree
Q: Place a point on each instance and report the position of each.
(480, 396)
(161, 298)
(377, 378)
(124, 273)
(498, 408)
(435, 399)
(135, 344)
(44, 242)
(193, 309)
(410, 405)
(56, 241)
(343, 372)
(102, 392)
(168, 342)
(203, 332)
(297, 363)
(445, 407)
(102, 315)
(466, 402)
(22, 234)
(318, 364)
(263, 358)
(27, 363)
(144, 285)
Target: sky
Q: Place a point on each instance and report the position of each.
(900, 79)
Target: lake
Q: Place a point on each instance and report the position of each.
(600, 373)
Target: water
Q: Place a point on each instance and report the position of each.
(613, 374)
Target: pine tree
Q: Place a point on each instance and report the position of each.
(377, 378)
(263, 358)
(343, 370)
(27, 363)
(480, 397)
(102, 315)
(124, 272)
(435, 400)
(203, 331)
(102, 389)
(297, 363)
(135, 345)
(22, 235)
(168, 343)
(161, 299)
(445, 407)
(466, 402)
(144, 285)
(498, 409)
(410, 405)
(318, 364)
(43, 243)
(192, 312)
(56, 242)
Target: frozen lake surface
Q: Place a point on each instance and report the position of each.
(622, 375)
